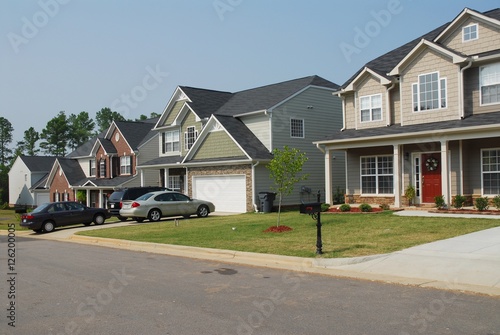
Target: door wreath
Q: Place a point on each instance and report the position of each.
(431, 163)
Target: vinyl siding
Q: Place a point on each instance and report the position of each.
(324, 116)
(426, 62)
(472, 99)
(217, 144)
(173, 113)
(189, 121)
(488, 38)
(369, 86)
(148, 152)
(350, 111)
(259, 125)
(354, 165)
(472, 163)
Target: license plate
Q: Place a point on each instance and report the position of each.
(112, 205)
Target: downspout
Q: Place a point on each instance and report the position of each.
(461, 98)
(255, 206)
(387, 101)
(343, 112)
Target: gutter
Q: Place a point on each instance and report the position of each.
(388, 113)
(461, 98)
(255, 206)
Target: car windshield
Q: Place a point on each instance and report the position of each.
(145, 196)
(116, 196)
(41, 208)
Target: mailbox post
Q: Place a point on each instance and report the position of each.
(314, 209)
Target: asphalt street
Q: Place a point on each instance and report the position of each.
(69, 288)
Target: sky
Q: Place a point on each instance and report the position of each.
(84, 55)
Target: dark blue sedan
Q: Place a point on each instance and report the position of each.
(46, 217)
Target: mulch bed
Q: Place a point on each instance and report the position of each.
(353, 210)
(277, 229)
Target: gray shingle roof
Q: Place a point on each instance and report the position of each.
(72, 170)
(135, 132)
(39, 163)
(108, 146)
(205, 102)
(106, 182)
(471, 121)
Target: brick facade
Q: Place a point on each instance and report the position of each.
(60, 186)
(358, 199)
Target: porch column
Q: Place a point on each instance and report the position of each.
(445, 189)
(88, 198)
(165, 177)
(397, 177)
(101, 203)
(142, 177)
(328, 177)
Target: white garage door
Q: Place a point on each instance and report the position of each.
(227, 192)
(42, 198)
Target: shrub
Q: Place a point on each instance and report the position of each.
(459, 201)
(345, 208)
(339, 196)
(496, 201)
(439, 201)
(325, 207)
(410, 194)
(481, 203)
(365, 208)
(385, 207)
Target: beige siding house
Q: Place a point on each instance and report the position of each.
(215, 145)
(425, 115)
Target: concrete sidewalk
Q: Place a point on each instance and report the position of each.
(469, 263)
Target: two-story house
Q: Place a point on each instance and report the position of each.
(215, 145)
(426, 114)
(105, 163)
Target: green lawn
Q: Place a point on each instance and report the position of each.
(344, 235)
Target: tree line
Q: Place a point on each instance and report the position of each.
(61, 135)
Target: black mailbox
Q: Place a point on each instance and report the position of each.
(310, 208)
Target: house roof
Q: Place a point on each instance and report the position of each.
(386, 63)
(72, 170)
(38, 163)
(474, 120)
(108, 146)
(265, 97)
(135, 132)
(106, 182)
(205, 102)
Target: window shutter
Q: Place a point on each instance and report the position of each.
(163, 149)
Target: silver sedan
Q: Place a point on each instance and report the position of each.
(155, 205)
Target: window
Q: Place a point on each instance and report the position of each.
(174, 183)
(297, 128)
(371, 108)
(469, 33)
(92, 167)
(170, 141)
(189, 137)
(102, 168)
(125, 166)
(377, 175)
(429, 92)
(491, 171)
(489, 81)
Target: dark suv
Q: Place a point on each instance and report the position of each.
(116, 198)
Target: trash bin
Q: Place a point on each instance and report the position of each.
(266, 201)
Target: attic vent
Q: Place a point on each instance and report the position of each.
(216, 127)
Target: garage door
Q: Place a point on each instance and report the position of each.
(42, 198)
(227, 192)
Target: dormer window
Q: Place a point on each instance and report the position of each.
(170, 141)
(125, 166)
(469, 33)
(371, 107)
(429, 92)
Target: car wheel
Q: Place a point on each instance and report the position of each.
(139, 219)
(202, 211)
(48, 226)
(99, 219)
(154, 215)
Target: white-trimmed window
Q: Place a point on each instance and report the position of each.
(371, 107)
(170, 141)
(190, 137)
(377, 175)
(125, 165)
(174, 183)
(297, 128)
(92, 167)
(490, 159)
(489, 82)
(102, 168)
(429, 93)
(469, 33)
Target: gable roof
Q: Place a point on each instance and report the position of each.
(384, 64)
(38, 163)
(205, 102)
(135, 132)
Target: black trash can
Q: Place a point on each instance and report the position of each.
(266, 201)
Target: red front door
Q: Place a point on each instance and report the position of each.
(431, 177)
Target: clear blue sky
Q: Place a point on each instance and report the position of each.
(83, 55)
